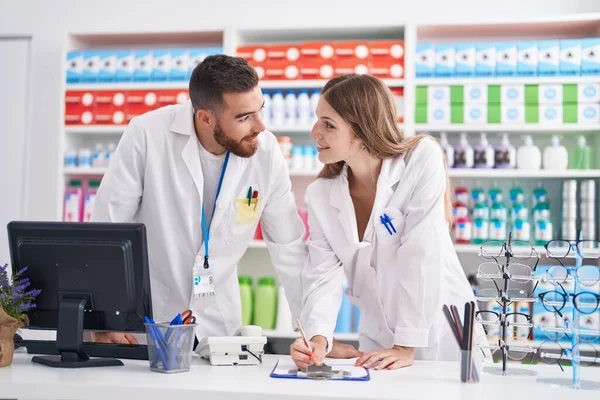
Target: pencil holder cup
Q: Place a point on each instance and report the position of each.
(170, 347)
(471, 366)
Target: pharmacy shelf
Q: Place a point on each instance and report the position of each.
(518, 128)
(180, 85)
(84, 171)
(517, 173)
(290, 129)
(294, 335)
(314, 84)
(94, 129)
(516, 80)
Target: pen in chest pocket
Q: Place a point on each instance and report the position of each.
(255, 196)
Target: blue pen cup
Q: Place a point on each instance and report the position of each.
(170, 347)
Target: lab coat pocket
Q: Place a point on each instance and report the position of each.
(247, 213)
(392, 230)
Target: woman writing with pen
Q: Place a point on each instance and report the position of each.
(378, 216)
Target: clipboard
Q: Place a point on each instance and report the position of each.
(286, 369)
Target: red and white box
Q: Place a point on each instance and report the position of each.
(352, 50)
(253, 53)
(323, 51)
(387, 50)
(139, 102)
(317, 69)
(283, 52)
(399, 100)
(260, 70)
(110, 107)
(80, 107)
(351, 66)
(387, 69)
(170, 97)
(281, 71)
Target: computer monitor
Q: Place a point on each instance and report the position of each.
(92, 276)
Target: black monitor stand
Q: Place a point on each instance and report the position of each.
(69, 339)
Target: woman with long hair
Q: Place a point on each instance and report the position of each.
(379, 216)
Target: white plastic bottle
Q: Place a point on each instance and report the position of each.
(463, 153)
(291, 109)
(556, 156)
(71, 158)
(304, 111)
(84, 158)
(448, 150)
(314, 100)
(98, 156)
(265, 113)
(110, 150)
(529, 156)
(483, 153)
(277, 109)
(505, 154)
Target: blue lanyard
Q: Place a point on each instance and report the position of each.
(205, 229)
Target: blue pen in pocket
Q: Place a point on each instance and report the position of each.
(389, 221)
(384, 222)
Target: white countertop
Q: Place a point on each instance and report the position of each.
(423, 380)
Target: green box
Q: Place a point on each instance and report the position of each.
(494, 114)
(457, 94)
(421, 114)
(532, 113)
(569, 113)
(570, 94)
(421, 94)
(494, 94)
(457, 113)
(531, 94)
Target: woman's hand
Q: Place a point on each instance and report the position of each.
(394, 358)
(302, 355)
(341, 350)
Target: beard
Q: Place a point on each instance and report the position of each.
(243, 148)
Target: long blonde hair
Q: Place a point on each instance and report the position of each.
(367, 105)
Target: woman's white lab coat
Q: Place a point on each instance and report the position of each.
(399, 281)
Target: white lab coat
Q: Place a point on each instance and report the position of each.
(400, 281)
(155, 177)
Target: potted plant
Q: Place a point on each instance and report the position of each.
(15, 300)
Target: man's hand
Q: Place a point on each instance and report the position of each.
(113, 337)
(341, 350)
(394, 358)
(302, 355)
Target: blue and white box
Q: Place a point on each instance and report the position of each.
(143, 64)
(506, 59)
(550, 114)
(588, 113)
(125, 64)
(570, 57)
(91, 66)
(438, 95)
(512, 113)
(588, 93)
(486, 59)
(475, 114)
(465, 59)
(590, 56)
(445, 60)
(179, 64)
(438, 114)
(74, 66)
(196, 56)
(162, 65)
(527, 58)
(476, 94)
(108, 66)
(512, 94)
(548, 57)
(425, 60)
(550, 94)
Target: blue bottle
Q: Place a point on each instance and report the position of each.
(344, 320)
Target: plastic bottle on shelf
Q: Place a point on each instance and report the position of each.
(483, 153)
(505, 153)
(309, 157)
(539, 194)
(481, 228)
(495, 193)
(461, 194)
(518, 211)
(314, 100)
(344, 319)
(298, 159)
(477, 194)
(497, 229)
(304, 113)
(110, 151)
(448, 150)
(98, 156)
(277, 109)
(516, 194)
(463, 153)
(498, 211)
(284, 315)
(70, 158)
(265, 113)
(286, 144)
(481, 211)
(541, 211)
(246, 299)
(90, 199)
(265, 304)
(73, 208)
(581, 155)
(84, 158)
(556, 156)
(543, 231)
(529, 156)
(522, 229)
(463, 231)
(291, 109)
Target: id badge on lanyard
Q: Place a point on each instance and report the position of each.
(204, 285)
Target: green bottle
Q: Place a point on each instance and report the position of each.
(581, 155)
(265, 304)
(246, 298)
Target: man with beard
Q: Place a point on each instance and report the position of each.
(200, 176)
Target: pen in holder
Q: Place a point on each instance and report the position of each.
(169, 346)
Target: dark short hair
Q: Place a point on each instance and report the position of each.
(220, 74)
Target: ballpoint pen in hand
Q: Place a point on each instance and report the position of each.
(303, 335)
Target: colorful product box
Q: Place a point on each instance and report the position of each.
(570, 57)
(283, 52)
(387, 69)
(465, 59)
(351, 66)
(179, 64)
(485, 59)
(108, 66)
(386, 49)
(550, 114)
(252, 53)
(506, 59)
(588, 93)
(138, 102)
(125, 66)
(281, 71)
(476, 114)
(445, 60)
(349, 50)
(143, 65)
(527, 58)
(316, 69)
(161, 65)
(590, 56)
(512, 94)
(110, 107)
(425, 60)
(80, 107)
(476, 94)
(91, 66)
(319, 51)
(74, 66)
(548, 57)
(550, 94)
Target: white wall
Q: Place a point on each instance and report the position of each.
(48, 21)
